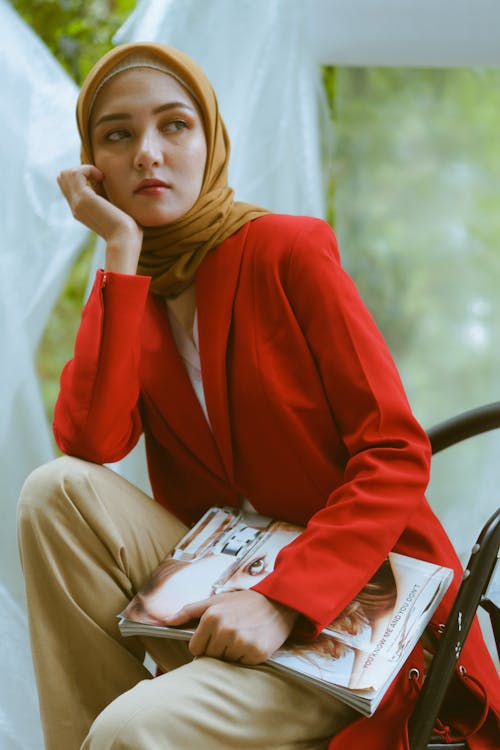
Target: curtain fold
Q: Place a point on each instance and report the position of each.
(38, 243)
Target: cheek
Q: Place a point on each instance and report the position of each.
(113, 183)
(101, 160)
(112, 169)
(198, 161)
(108, 191)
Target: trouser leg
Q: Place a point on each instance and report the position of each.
(88, 541)
(214, 705)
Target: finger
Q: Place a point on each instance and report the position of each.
(233, 652)
(190, 612)
(252, 657)
(91, 172)
(227, 646)
(200, 640)
(77, 180)
(209, 641)
(94, 177)
(213, 638)
(222, 644)
(87, 171)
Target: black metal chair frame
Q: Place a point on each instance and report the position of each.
(471, 595)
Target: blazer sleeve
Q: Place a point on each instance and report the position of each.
(96, 415)
(388, 453)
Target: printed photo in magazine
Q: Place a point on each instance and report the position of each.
(355, 658)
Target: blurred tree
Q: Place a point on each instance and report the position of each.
(329, 81)
(78, 33)
(416, 202)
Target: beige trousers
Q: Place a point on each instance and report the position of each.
(88, 540)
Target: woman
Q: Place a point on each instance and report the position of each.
(233, 340)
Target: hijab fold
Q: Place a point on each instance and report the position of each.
(171, 254)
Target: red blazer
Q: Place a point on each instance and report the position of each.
(308, 417)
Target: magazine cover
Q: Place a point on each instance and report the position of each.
(355, 658)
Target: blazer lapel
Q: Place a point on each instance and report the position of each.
(166, 383)
(216, 285)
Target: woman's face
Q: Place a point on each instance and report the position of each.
(189, 584)
(148, 140)
(261, 563)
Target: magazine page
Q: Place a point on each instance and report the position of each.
(259, 560)
(364, 648)
(421, 586)
(225, 550)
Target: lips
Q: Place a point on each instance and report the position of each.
(151, 186)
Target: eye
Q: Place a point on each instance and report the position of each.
(117, 135)
(174, 126)
(257, 566)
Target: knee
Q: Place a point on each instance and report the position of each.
(107, 729)
(141, 719)
(122, 725)
(45, 490)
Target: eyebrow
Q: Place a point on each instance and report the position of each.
(157, 110)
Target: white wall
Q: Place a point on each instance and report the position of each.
(413, 33)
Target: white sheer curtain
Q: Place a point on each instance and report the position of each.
(38, 242)
(19, 720)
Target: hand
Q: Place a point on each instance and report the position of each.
(81, 187)
(242, 626)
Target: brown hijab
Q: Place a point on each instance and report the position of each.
(171, 254)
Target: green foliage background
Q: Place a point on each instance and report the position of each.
(78, 32)
(417, 165)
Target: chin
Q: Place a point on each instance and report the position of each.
(155, 221)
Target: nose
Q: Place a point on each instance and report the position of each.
(148, 152)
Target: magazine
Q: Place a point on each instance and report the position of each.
(355, 658)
